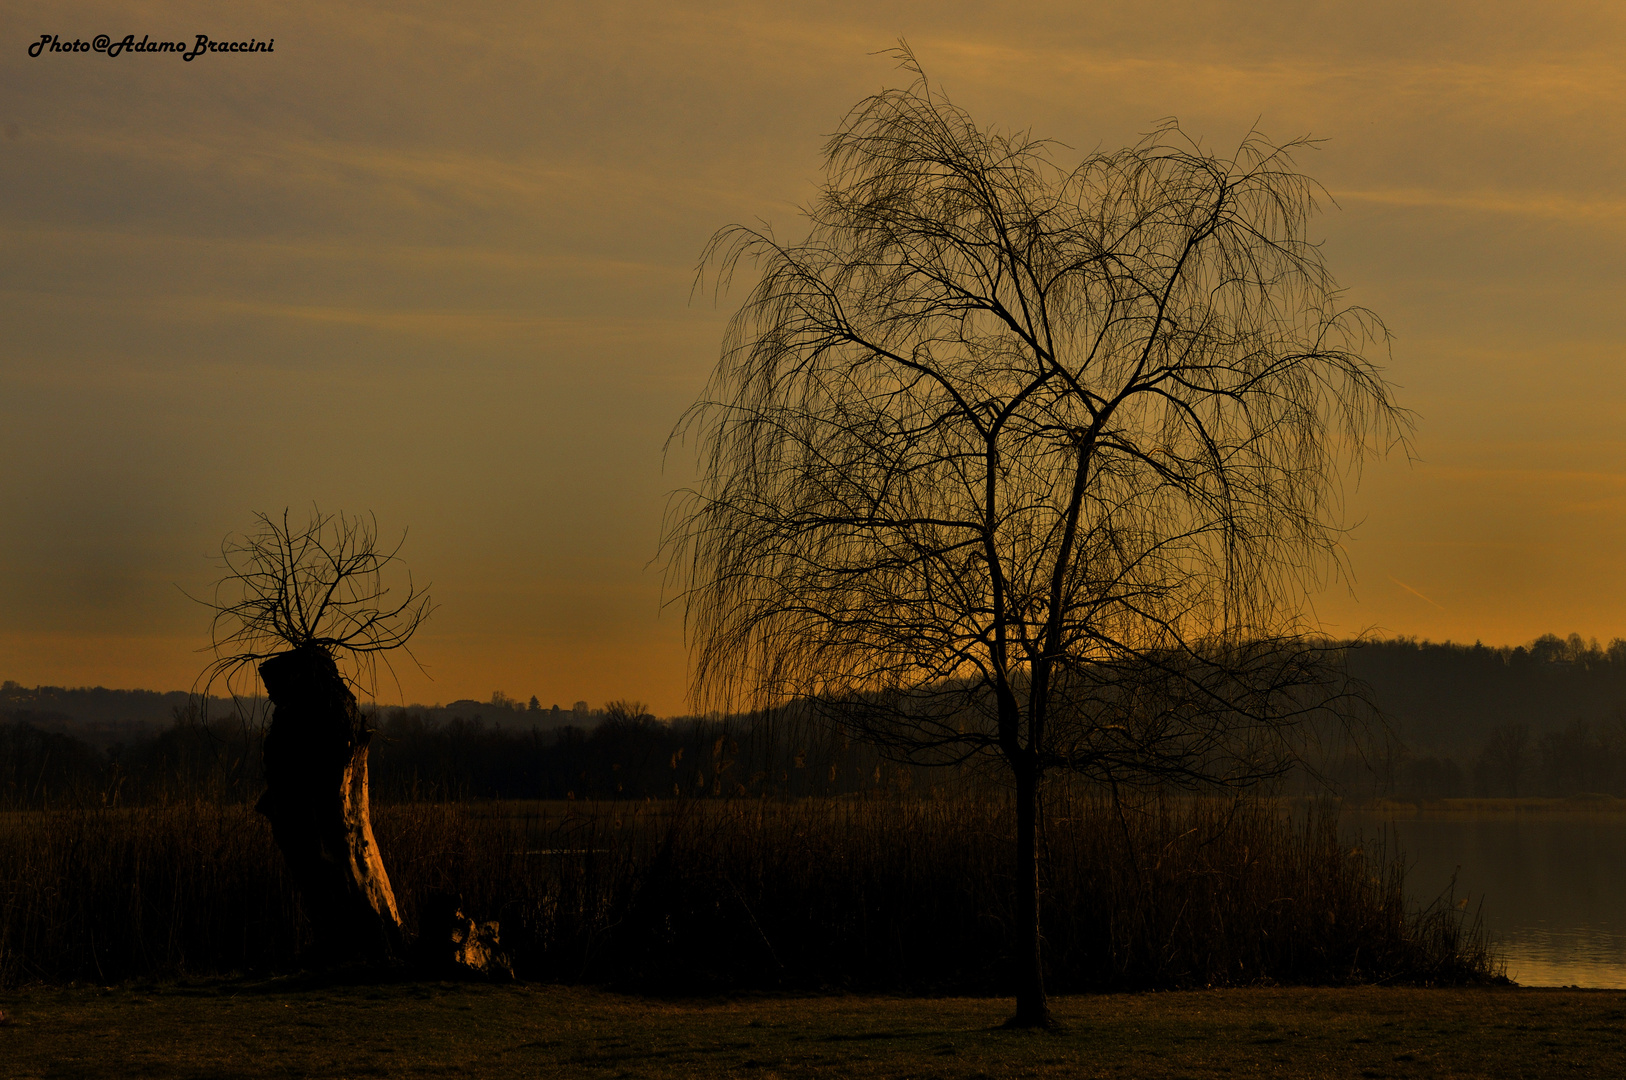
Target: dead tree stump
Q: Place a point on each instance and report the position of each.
(316, 800)
(451, 945)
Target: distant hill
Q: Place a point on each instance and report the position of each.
(1544, 718)
(103, 717)
(95, 715)
(93, 704)
(1441, 698)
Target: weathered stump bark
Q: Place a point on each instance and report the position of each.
(451, 945)
(316, 800)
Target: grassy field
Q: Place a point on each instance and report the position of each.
(300, 1027)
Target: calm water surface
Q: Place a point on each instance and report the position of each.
(1553, 886)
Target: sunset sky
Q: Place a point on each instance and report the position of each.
(434, 261)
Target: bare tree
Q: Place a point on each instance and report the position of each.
(319, 586)
(297, 602)
(1018, 459)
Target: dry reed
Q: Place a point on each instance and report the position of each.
(876, 894)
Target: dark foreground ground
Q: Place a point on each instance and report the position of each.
(290, 1027)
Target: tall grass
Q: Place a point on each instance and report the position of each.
(893, 894)
(110, 894)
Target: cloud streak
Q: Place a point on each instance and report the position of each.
(1415, 593)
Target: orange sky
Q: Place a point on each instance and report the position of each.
(436, 264)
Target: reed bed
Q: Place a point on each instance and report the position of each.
(865, 894)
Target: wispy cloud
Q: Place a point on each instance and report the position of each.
(1415, 593)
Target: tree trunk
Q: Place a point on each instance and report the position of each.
(316, 800)
(1032, 1010)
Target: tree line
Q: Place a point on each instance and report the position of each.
(1544, 719)
(1583, 757)
(1540, 719)
(626, 754)
(1444, 699)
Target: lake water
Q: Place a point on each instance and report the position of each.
(1553, 886)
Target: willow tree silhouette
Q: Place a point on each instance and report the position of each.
(1015, 459)
(298, 602)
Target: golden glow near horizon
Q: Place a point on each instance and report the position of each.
(436, 263)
